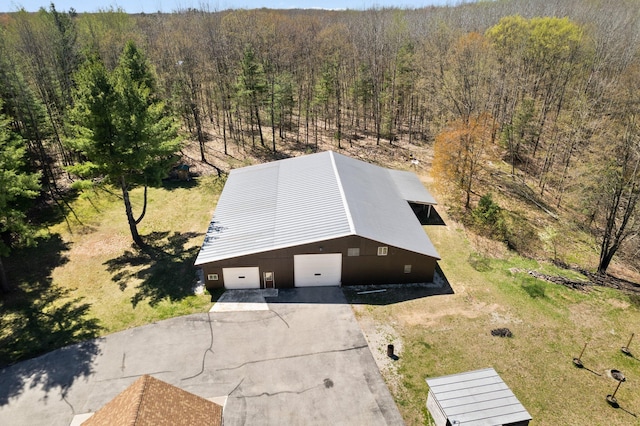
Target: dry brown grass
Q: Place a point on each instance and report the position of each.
(101, 235)
(451, 333)
(435, 335)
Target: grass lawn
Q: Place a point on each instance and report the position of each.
(85, 279)
(448, 334)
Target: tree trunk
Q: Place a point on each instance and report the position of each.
(605, 259)
(4, 282)
(196, 117)
(144, 206)
(133, 226)
(259, 124)
(273, 121)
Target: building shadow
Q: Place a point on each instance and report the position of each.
(389, 294)
(427, 215)
(378, 294)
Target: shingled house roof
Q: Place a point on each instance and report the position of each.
(149, 401)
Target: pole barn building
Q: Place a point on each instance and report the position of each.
(317, 220)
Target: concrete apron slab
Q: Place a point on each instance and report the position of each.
(244, 300)
(302, 361)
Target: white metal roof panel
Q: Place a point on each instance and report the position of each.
(378, 210)
(477, 398)
(306, 199)
(411, 189)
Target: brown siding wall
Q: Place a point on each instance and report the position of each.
(367, 268)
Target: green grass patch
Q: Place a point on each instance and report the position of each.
(634, 299)
(85, 279)
(449, 334)
(533, 288)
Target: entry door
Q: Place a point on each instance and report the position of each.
(268, 280)
(315, 270)
(241, 278)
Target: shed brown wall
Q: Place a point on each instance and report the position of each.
(367, 268)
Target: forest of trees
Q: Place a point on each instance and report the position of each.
(550, 88)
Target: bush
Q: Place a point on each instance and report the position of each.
(479, 262)
(635, 300)
(488, 217)
(521, 236)
(534, 289)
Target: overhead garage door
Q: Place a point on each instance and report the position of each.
(241, 278)
(312, 270)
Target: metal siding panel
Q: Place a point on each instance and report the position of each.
(437, 414)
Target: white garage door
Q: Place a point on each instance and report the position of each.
(240, 278)
(312, 270)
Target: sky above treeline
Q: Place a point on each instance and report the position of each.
(151, 6)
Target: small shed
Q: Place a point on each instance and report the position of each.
(474, 398)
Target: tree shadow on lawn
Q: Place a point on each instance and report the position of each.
(165, 268)
(39, 316)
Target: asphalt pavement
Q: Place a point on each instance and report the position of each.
(298, 358)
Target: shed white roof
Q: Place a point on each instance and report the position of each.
(477, 398)
(313, 198)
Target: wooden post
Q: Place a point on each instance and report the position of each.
(625, 349)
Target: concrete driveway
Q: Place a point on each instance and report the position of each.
(301, 361)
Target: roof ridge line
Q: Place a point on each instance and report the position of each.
(145, 383)
(342, 195)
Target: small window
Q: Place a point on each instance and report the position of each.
(268, 276)
(407, 269)
(355, 251)
(212, 277)
(382, 251)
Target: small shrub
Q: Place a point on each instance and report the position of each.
(521, 236)
(534, 289)
(479, 262)
(488, 217)
(635, 300)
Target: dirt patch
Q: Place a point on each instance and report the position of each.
(488, 247)
(433, 311)
(501, 319)
(617, 303)
(582, 314)
(100, 244)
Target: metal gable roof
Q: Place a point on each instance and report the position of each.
(306, 199)
(378, 210)
(477, 398)
(411, 188)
